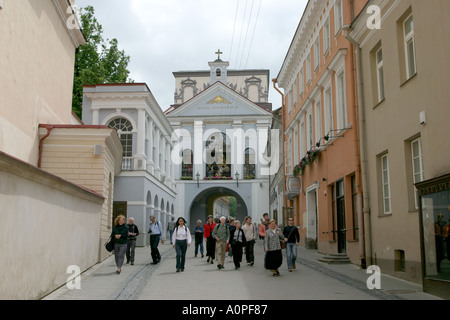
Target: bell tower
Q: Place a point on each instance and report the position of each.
(218, 70)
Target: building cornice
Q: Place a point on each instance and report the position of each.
(69, 21)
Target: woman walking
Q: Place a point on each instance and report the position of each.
(210, 241)
(237, 242)
(274, 257)
(181, 240)
(120, 234)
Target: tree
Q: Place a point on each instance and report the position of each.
(98, 61)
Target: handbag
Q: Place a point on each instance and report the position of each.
(109, 245)
(283, 245)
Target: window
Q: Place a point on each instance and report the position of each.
(380, 74)
(417, 166)
(187, 164)
(302, 81)
(309, 133)
(250, 164)
(289, 156)
(218, 150)
(316, 53)
(302, 140)
(328, 111)
(289, 101)
(408, 29)
(295, 94)
(385, 184)
(295, 148)
(341, 103)
(318, 118)
(125, 131)
(338, 17)
(326, 37)
(308, 69)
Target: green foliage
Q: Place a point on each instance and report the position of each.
(98, 61)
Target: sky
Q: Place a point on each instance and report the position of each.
(165, 36)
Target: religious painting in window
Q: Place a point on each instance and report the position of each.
(250, 164)
(218, 155)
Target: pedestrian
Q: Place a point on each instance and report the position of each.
(292, 239)
(210, 242)
(231, 226)
(199, 231)
(156, 234)
(120, 234)
(133, 232)
(264, 226)
(237, 242)
(181, 240)
(221, 234)
(170, 227)
(274, 257)
(250, 233)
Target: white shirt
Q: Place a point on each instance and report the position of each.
(181, 233)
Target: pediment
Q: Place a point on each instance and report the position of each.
(218, 100)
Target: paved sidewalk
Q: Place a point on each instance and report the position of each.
(312, 280)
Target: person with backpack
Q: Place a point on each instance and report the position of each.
(156, 234)
(221, 234)
(181, 240)
(210, 242)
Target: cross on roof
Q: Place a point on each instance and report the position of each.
(218, 54)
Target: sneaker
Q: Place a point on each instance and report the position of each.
(290, 270)
(132, 263)
(178, 270)
(202, 255)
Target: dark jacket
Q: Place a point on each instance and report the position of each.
(233, 232)
(291, 233)
(123, 231)
(132, 228)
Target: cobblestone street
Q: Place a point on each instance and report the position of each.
(312, 280)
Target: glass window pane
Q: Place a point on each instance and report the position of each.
(409, 25)
(411, 58)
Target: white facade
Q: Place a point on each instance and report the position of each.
(146, 184)
(221, 148)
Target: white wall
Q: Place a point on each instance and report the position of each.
(47, 224)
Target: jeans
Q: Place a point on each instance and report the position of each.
(249, 253)
(180, 248)
(197, 244)
(171, 234)
(291, 254)
(154, 241)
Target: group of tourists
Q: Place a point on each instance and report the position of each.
(221, 237)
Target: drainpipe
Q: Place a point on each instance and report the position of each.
(364, 214)
(41, 143)
(274, 81)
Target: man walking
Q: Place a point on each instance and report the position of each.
(171, 227)
(292, 239)
(221, 234)
(156, 234)
(133, 232)
(263, 227)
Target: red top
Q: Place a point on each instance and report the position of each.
(209, 228)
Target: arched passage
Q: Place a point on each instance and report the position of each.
(203, 205)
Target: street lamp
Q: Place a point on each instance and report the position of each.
(237, 178)
(198, 179)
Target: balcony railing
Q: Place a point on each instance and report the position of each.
(127, 164)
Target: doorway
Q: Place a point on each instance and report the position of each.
(119, 208)
(340, 217)
(311, 207)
